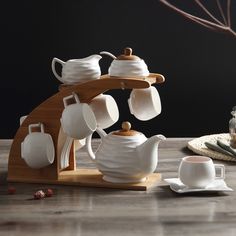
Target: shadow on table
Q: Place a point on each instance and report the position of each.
(3, 178)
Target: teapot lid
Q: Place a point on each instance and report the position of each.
(128, 55)
(126, 130)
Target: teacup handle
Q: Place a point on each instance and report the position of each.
(39, 125)
(222, 171)
(54, 69)
(74, 95)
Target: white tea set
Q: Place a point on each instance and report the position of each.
(124, 156)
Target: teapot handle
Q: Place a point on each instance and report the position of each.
(89, 147)
(88, 144)
(54, 70)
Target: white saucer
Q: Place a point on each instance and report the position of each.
(217, 185)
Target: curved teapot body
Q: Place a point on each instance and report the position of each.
(125, 159)
(118, 160)
(78, 70)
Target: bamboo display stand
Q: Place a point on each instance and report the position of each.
(49, 113)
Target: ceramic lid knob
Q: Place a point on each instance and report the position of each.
(128, 55)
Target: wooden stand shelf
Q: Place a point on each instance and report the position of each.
(49, 113)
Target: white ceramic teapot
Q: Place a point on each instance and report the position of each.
(125, 156)
(127, 65)
(78, 70)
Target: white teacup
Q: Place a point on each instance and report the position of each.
(78, 70)
(105, 110)
(199, 171)
(37, 149)
(145, 104)
(78, 120)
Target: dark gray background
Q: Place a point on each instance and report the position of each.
(199, 65)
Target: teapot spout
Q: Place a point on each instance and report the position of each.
(93, 58)
(148, 153)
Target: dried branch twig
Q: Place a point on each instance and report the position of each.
(207, 12)
(206, 23)
(221, 11)
(228, 12)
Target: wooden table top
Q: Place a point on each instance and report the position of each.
(77, 210)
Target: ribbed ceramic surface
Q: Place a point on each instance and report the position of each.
(117, 156)
(81, 73)
(125, 68)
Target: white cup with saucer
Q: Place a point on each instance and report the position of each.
(199, 171)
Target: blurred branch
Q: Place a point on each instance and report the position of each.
(218, 26)
(207, 12)
(228, 12)
(221, 11)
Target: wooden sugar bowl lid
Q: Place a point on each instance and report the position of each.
(128, 55)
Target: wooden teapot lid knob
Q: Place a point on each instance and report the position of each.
(126, 130)
(126, 126)
(128, 55)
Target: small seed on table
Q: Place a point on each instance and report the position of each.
(11, 190)
(49, 192)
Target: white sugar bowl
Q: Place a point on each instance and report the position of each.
(127, 65)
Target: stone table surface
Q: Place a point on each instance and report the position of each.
(79, 211)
